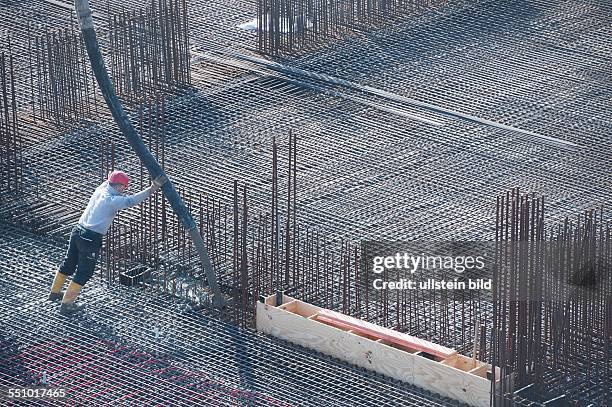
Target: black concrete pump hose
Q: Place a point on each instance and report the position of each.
(147, 159)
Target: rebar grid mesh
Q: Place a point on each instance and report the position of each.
(143, 347)
(365, 172)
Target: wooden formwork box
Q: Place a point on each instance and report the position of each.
(455, 376)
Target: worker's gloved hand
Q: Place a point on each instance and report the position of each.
(158, 182)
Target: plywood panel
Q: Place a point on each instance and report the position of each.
(335, 342)
(451, 382)
(449, 378)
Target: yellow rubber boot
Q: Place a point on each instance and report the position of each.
(58, 282)
(56, 287)
(72, 293)
(68, 306)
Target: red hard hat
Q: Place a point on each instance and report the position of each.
(118, 177)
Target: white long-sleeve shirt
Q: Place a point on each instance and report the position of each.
(104, 204)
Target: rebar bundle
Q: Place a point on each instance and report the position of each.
(287, 26)
(63, 89)
(148, 50)
(11, 143)
(553, 302)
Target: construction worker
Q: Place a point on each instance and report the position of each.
(86, 237)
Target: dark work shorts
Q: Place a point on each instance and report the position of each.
(83, 251)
